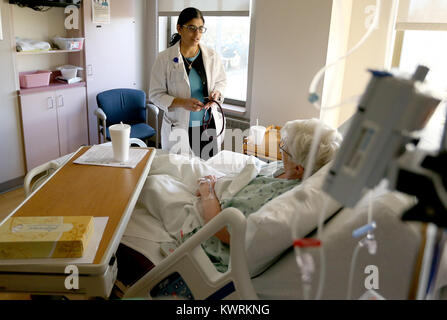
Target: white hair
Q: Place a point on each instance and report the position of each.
(297, 136)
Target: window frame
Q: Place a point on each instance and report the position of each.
(228, 101)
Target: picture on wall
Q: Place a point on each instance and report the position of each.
(101, 11)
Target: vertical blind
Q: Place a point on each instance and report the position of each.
(204, 5)
(422, 15)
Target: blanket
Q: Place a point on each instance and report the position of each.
(167, 207)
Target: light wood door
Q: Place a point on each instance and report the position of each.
(40, 130)
(110, 52)
(72, 119)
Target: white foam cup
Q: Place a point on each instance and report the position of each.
(120, 135)
(257, 133)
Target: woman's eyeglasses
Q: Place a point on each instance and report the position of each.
(282, 144)
(194, 28)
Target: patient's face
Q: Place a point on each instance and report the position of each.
(291, 170)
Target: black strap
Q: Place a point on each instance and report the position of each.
(206, 123)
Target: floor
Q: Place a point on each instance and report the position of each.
(8, 202)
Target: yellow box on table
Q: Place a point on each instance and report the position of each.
(45, 237)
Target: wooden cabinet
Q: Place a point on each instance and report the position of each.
(269, 148)
(54, 124)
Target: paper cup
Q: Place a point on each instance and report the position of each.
(120, 135)
(257, 133)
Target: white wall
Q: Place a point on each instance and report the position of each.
(291, 41)
(11, 146)
(140, 44)
(151, 33)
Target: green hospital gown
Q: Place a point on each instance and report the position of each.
(257, 193)
(248, 200)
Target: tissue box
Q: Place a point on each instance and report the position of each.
(45, 237)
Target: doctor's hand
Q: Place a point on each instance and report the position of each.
(189, 104)
(214, 95)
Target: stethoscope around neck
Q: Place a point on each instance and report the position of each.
(206, 123)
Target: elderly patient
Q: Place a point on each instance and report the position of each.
(295, 145)
(296, 139)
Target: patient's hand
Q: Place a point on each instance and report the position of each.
(206, 186)
(210, 204)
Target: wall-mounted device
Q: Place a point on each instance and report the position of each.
(38, 4)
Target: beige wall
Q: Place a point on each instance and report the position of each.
(337, 47)
(290, 45)
(11, 147)
(373, 54)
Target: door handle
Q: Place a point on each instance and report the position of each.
(50, 103)
(60, 101)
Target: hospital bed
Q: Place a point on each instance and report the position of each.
(262, 263)
(271, 270)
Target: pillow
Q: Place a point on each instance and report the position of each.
(268, 232)
(230, 162)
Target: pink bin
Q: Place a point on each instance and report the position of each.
(34, 79)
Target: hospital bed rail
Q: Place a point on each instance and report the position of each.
(196, 269)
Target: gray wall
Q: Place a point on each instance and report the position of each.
(11, 147)
(290, 46)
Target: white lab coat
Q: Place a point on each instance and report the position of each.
(170, 80)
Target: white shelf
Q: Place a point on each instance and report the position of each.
(46, 52)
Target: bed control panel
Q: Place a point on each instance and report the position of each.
(173, 286)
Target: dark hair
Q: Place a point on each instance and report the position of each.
(186, 15)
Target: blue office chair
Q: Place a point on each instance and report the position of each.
(123, 105)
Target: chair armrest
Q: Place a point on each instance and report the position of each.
(153, 108)
(153, 120)
(100, 114)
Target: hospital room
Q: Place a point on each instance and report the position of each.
(223, 150)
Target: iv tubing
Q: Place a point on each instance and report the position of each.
(357, 248)
(351, 272)
(321, 217)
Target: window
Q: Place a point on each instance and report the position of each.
(229, 36)
(428, 48)
(421, 39)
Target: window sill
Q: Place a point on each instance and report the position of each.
(236, 110)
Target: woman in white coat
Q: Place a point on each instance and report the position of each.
(183, 78)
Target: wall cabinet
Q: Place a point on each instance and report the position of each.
(54, 124)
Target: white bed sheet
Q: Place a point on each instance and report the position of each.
(167, 203)
(398, 245)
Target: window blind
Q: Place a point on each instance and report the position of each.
(422, 15)
(168, 7)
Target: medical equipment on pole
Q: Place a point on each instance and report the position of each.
(391, 110)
